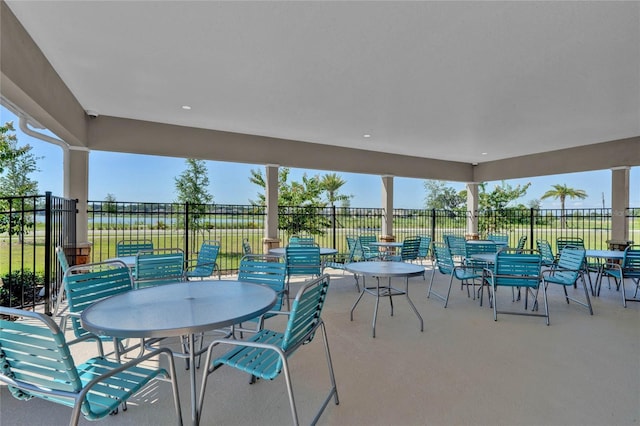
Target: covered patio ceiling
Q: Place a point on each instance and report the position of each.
(518, 88)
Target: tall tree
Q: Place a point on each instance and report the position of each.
(8, 146)
(16, 164)
(561, 192)
(110, 203)
(192, 186)
(442, 197)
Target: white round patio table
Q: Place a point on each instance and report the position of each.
(183, 308)
(383, 269)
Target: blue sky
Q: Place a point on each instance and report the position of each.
(132, 177)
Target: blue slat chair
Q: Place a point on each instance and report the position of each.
(267, 270)
(522, 241)
(446, 266)
(158, 267)
(206, 263)
(629, 268)
(61, 298)
(368, 251)
(87, 284)
(548, 258)
(517, 270)
(408, 251)
(340, 260)
(477, 266)
(132, 247)
(265, 355)
(567, 271)
(457, 246)
(301, 241)
(35, 361)
(302, 260)
(501, 239)
(424, 251)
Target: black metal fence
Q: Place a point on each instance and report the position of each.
(30, 228)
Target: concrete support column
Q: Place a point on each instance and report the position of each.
(387, 206)
(271, 196)
(472, 208)
(619, 203)
(76, 185)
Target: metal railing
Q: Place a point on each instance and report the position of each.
(31, 227)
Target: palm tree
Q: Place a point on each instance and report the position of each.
(562, 192)
(331, 184)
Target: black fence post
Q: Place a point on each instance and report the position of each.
(47, 253)
(186, 231)
(433, 224)
(531, 227)
(333, 224)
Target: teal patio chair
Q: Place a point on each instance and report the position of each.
(369, 252)
(158, 267)
(132, 247)
(548, 258)
(424, 251)
(476, 266)
(445, 265)
(36, 362)
(457, 246)
(266, 354)
(267, 270)
(302, 260)
(408, 251)
(522, 241)
(340, 260)
(517, 270)
(87, 284)
(301, 241)
(61, 298)
(567, 271)
(206, 264)
(500, 239)
(629, 268)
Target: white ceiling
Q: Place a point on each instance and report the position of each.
(443, 80)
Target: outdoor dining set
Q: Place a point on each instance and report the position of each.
(126, 300)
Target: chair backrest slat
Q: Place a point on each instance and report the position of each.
(562, 242)
(499, 238)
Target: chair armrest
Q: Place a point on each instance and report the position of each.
(559, 269)
(89, 336)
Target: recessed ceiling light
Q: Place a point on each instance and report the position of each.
(187, 107)
(366, 135)
(484, 153)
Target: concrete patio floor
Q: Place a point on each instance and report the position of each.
(464, 369)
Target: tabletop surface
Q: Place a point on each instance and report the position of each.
(611, 254)
(385, 269)
(178, 309)
(323, 251)
(484, 257)
(385, 244)
(127, 260)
